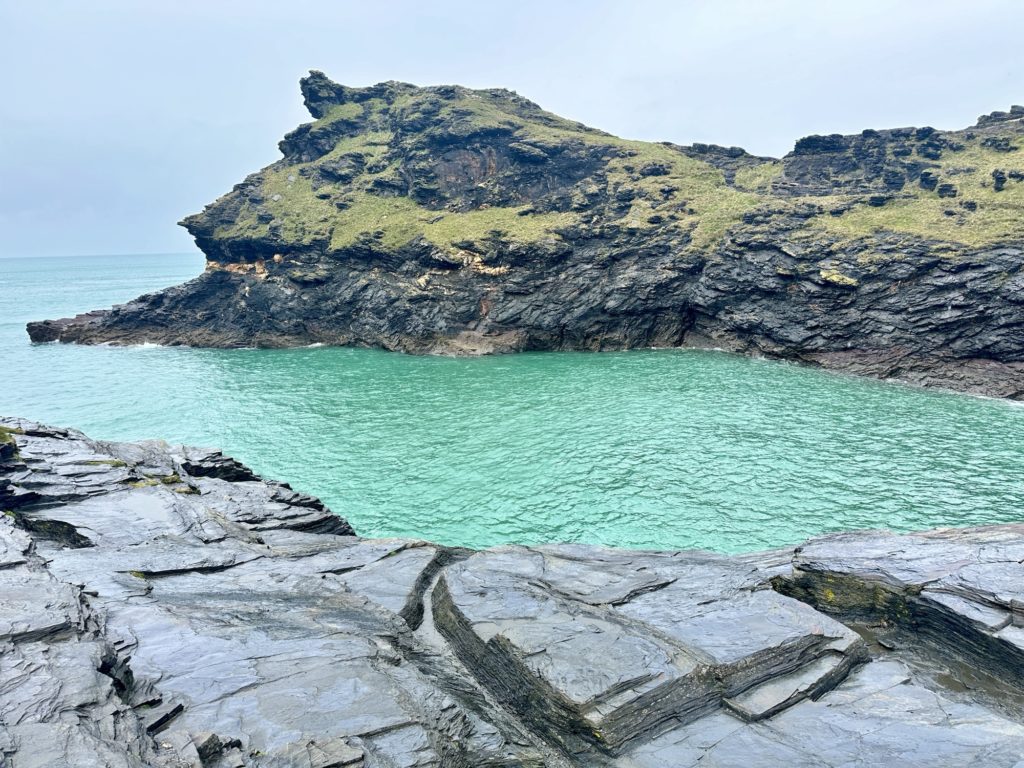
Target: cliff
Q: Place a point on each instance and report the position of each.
(164, 606)
(458, 221)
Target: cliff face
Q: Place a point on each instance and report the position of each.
(164, 606)
(448, 220)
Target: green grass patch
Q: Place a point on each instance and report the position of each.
(758, 178)
(400, 220)
(686, 200)
(999, 216)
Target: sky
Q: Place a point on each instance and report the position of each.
(118, 117)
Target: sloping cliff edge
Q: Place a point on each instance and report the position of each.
(164, 606)
(456, 221)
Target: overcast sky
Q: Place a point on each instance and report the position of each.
(117, 118)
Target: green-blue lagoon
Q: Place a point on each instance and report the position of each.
(654, 449)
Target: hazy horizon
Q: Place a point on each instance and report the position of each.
(122, 118)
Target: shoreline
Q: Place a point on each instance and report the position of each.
(168, 587)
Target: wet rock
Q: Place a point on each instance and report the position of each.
(614, 646)
(215, 620)
(962, 591)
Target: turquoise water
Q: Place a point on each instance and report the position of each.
(659, 449)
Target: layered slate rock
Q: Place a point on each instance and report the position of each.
(962, 591)
(188, 619)
(164, 606)
(458, 221)
(611, 647)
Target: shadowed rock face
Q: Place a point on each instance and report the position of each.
(164, 606)
(448, 220)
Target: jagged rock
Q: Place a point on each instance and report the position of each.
(446, 220)
(207, 622)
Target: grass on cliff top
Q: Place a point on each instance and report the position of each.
(759, 178)
(702, 205)
(482, 111)
(700, 201)
(305, 218)
(922, 213)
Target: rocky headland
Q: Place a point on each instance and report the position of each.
(458, 221)
(164, 606)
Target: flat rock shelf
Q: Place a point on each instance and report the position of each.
(164, 606)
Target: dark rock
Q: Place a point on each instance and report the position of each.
(528, 152)
(931, 150)
(958, 591)
(654, 169)
(998, 143)
(595, 243)
(998, 180)
(815, 144)
(213, 629)
(1016, 113)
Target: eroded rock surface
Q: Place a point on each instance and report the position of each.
(458, 221)
(164, 606)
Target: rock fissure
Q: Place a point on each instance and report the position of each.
(267, 638)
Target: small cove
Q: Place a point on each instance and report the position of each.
(654, 449)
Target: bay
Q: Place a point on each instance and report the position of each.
(655, 449)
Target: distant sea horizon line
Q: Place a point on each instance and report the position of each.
(3, 256)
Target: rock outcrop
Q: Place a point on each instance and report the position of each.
(164, 606)
(448, 220)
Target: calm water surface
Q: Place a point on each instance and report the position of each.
(659, 449)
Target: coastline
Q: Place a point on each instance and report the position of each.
(193, 612)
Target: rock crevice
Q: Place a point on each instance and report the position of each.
(220, 620)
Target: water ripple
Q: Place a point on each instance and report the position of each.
(660, 449)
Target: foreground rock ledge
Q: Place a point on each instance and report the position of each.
(164, 606)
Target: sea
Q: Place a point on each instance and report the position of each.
(654, 449)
